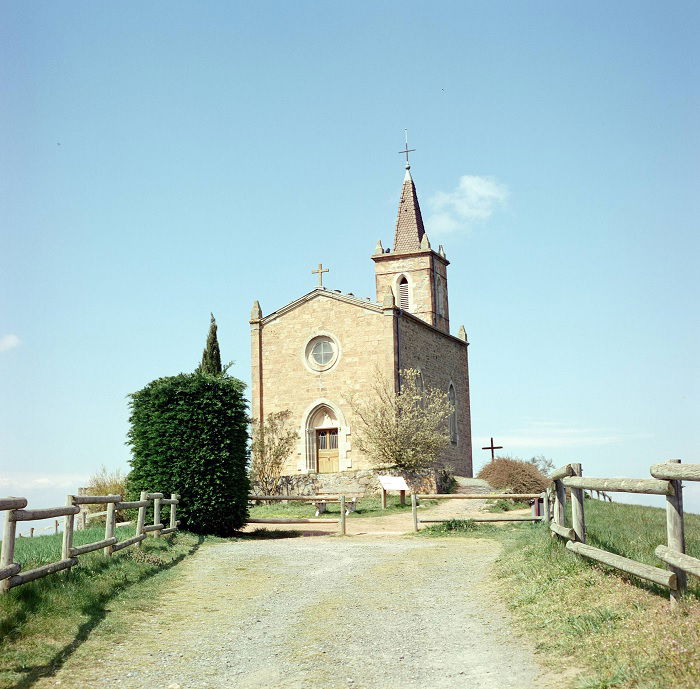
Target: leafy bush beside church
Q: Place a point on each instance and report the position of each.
(189, 435)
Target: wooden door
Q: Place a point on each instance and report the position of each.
(327, 450)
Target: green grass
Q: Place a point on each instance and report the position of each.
(44, 621)
(634, 531)
(504, 505)
(457, 527)
(618, 630)
(366, 507)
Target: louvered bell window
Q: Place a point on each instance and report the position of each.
(403, 294)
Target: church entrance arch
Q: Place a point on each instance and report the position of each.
(323, 455)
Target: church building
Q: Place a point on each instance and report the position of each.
(310, 355)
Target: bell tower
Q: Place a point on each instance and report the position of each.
(415, 273)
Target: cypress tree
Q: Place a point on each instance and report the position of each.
(211, 357)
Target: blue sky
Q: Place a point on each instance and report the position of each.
(163, 160)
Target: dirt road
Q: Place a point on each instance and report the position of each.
(354, 613)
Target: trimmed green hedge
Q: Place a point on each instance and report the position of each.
(189, 435)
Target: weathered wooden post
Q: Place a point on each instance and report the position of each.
(577, 514)
(173, 517)
(31, 532)
(675, 533)
(156, 515)
(545, 507)
(7, 555)
(342, 515)
(141, 519)
(414, 510)
(383, 498)
(109, 525)
(55, 526)
(559, 502)
(402, 497)
(68, 527)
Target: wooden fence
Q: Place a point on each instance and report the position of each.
(10, 571)
(298, 520)
(341, 521)
(667, 481)
(477, 496)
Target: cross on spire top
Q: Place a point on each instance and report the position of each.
(407, 150)
(321, 270)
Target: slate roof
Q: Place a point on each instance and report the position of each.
(409, 223)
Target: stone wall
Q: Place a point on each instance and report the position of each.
(426, 272)
(357, 482)
(442, 360)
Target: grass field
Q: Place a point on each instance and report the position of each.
(366, 507)
(43, 621)
(618, 630)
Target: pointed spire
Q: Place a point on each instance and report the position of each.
(379, 249)
(256, 311)
(425, 242)
(409, 223)
(462, 334)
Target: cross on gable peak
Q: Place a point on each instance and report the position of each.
(320, 271)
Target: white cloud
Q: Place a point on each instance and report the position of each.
(8, 342)
(475, 199)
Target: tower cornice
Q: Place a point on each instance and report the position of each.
(409, 254)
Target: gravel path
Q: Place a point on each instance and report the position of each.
(318, 613)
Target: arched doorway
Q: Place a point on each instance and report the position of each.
(322, 440)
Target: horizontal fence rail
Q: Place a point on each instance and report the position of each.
(648, 486)
(416, 497)
(341, 499)
(11, 573)
(667, 481)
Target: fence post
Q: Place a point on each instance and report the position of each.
(109, 525)
(156, 515)
(141, 519)
(7, 555)
(68, 531)
(577, 515)
(559, 503)
(342, 515)
(675, 533)
(55, 526)
(545, 507)
(173, 517)
(414, 510)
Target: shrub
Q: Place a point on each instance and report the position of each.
(189, 436)
(106, 482)
(513, 475)
(273, 441)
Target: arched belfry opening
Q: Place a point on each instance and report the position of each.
(404, 301)
(322, 446)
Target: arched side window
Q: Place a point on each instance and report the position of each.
(403, 293)
(453, 416)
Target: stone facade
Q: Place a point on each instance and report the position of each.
(426, 273)
(443, 363)
(312, 355)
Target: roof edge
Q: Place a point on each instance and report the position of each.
(320, 292)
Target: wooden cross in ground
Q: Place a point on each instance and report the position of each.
(492, 447)
(321, 270)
